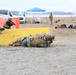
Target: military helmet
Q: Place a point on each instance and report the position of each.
(49, 37)
(9, 19)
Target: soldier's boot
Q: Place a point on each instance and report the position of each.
(1, 29)
(15, 43)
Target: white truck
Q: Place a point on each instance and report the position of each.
(6, 13)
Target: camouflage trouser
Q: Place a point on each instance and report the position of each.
(50, 22)
(23, 41)
(6, 27)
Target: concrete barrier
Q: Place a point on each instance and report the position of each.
(10, 35)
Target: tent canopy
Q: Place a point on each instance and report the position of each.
(35, 10)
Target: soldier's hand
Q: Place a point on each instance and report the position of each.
(14, 24)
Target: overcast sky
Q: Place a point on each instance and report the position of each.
(48, 5)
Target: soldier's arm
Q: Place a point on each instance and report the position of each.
(13, 23)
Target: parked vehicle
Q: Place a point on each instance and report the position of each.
(6, 13)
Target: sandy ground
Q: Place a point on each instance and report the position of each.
(58, 59)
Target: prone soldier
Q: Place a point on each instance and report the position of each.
(38, 40)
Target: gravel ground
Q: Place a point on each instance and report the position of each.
(58, 59)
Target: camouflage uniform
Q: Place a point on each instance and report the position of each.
(38, 40)
(51, 18)
(21, 41)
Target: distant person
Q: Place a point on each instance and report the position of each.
(51, 18)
